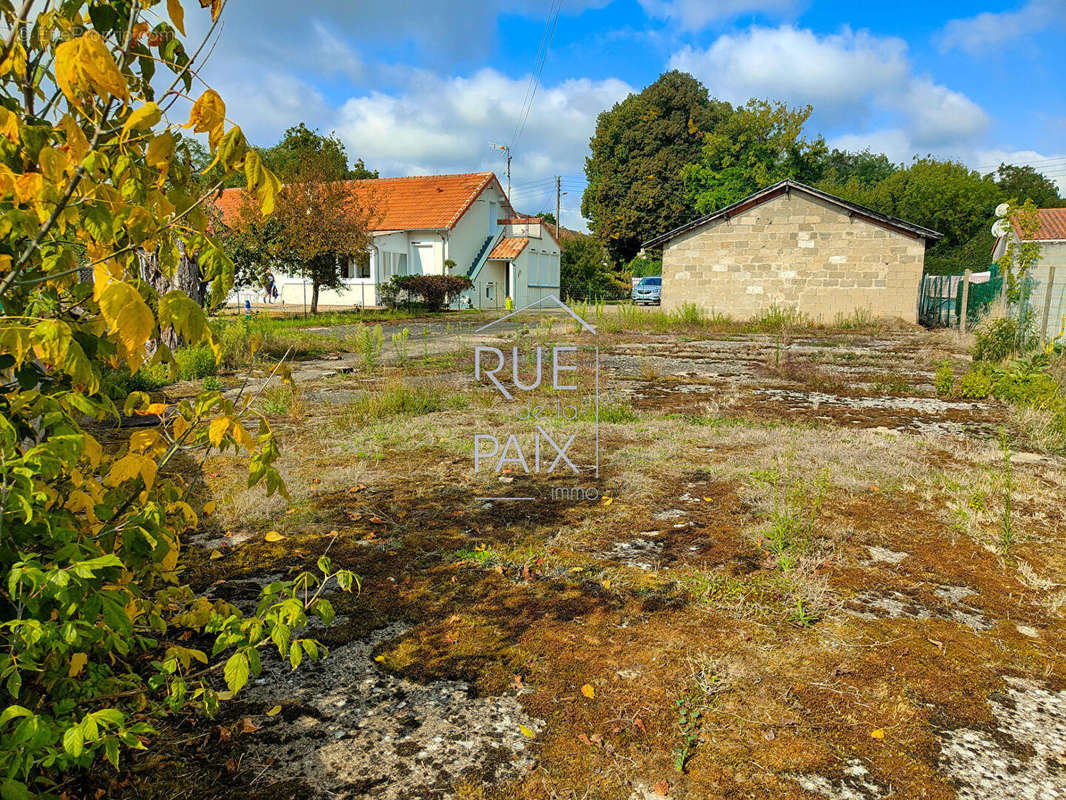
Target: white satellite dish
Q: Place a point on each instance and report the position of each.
(1000, 228)
(1002, 209)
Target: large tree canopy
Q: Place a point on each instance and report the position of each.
(946, 196)
(1025, 183)
(866, 167)
(301, 145)
(756, 146)
(635, 190)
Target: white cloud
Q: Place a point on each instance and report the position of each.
(851, 78)
(694, 15)
(893, 142)
(977, 35)
(1052, 165)
(443, 124)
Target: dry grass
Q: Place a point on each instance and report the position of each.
(744, 597)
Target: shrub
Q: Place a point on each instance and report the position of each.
(368, 343)
(976, 384)
(944, 379)
(436, 291)
(996, 339)
(777, 319)
(688, 314)
(195, 362)
(1028, 383)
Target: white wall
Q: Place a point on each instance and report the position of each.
(470, 232)
(1051, 253)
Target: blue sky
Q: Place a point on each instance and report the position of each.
(416, 87)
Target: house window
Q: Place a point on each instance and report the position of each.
(392, 264)
(362, 266)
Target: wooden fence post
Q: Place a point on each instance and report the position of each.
(1047, 304)
(965, 300)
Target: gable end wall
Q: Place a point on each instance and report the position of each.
(795, 251)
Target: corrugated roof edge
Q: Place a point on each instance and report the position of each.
(785, 186)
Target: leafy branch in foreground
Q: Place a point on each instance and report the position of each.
(101, 637)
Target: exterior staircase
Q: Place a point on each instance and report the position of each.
(482, 255)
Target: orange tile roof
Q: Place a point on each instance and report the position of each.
(1052, 224)
(509, 247)
(421, 202)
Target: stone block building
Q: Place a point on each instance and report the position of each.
(791, 245)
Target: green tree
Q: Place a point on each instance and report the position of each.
(583, 267)
(300, 145)
(758, 145)
(101, 636)
(635, 191)
(322, 226)
(946, 196)
(867, 168)
(1025, 183)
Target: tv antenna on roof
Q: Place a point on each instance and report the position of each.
(507, 150)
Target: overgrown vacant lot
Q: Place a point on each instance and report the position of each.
(810, 577)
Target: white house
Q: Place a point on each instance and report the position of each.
(424, 222)
(1049, 274)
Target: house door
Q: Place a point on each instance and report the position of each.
(493, 218)
(510, 280)
(423, 265)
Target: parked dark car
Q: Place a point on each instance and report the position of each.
(649, 290)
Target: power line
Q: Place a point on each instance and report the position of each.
(1038, 165)
(550, 23)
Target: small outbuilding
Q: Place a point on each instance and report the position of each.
(1047, 288)
(791, 245)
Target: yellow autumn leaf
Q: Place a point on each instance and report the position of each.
(179, 426)
(130, 466)
(77, 141)
(51, 340)
(208, 116)
(218, 428)
(170, 560)
(243, 437)
(273, 712)
(215, 554)
(144, 117)
(527, 732)
(180, 312)
(86, 63)
(273, 536)
(9, 125)
(588, 691)
(145, 439)
(77, 664)
(878, 734)
(261, 181)
(128, 315)
(608, 500)
(53, 163)
(209, 507)
(28, 186)
(177, 15)
(160, 150)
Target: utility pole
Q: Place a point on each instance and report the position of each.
(558, 198)
(507, 150)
